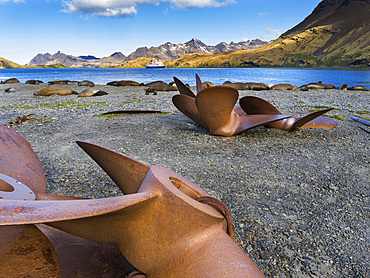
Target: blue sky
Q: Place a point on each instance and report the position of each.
(100, 28)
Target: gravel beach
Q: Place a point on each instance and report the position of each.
(299, 200)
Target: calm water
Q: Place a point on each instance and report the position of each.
(295, 76)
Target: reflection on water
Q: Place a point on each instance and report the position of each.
(295, 76)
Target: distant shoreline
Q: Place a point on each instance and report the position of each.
(217, 76)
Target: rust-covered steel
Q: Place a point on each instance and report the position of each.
(18, 161)
(132, 111)
(30, 251)
(214, 109)
(159, 225)
(257, 106)
(249, 106)
(26, 252)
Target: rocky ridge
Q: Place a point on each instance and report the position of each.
(6, 64)
(335, 34)
(168, 52)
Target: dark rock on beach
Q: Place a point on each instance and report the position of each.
(317, 86)
(155, 83)
(284, 87)
(343, 87)
(34, 82)
(86, 83)
(59, 82)
(124, 83)
(207, 84)
(9, 90)
(247, 85)
(10, 81)
(257, 86)
(100, 93)
(48, 91)
(357, 88)
(150, 91)
(92, 93)
(161, 86)
(237, 85)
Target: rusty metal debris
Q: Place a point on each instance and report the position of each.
(20, 120)
(27, 250)
(214, 109)
(132, 111)
(159, 225)
(256, 106)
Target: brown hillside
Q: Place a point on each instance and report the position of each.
(349, 19)
(6, 64)
(335, 34)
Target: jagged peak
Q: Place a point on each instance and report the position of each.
(118, 53)
(166, 51)
(88, 57)
(195, 40)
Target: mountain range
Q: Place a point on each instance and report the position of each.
(167, 52)
(335, 34)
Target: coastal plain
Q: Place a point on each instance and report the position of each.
(298, 200)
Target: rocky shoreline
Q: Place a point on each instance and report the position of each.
(298, 200)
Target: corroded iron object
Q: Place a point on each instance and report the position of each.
(132, 111)
(159, 226)
(214, 109)
(18, 161)
(257, 106)
(183, 89)
(199, 83)
(27, 250)
(80, 257)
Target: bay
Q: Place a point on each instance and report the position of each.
(294, 76)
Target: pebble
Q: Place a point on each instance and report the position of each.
(9, 90)
(249, 248)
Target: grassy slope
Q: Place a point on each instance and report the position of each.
(6, 64)
(292, 51)
(54, 66)
(335, 34)
(137, 63)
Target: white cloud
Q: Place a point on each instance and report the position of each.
(15, 1)
(271, 31)
(185, 4)
(129, 7)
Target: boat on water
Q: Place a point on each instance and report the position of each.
(155, 64)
